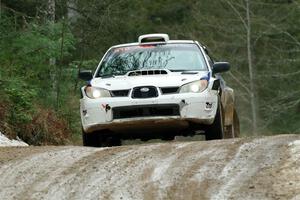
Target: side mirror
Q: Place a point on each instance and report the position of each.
(219, 67)
(85, 75)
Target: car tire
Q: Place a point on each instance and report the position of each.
(144, 139)
(168, 137)
(110, 141)
(89, 139)
(236, 122)
(100, 139)
(216, 129)
(233, 130)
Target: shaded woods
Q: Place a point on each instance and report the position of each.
(44, 43)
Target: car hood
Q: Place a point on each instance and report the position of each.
(173, 79)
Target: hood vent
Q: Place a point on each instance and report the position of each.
(147, 72)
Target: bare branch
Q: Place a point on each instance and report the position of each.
(240, 83)
(237, 13)
(14, 11)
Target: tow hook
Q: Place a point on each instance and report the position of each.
(208, 105)
(183, 103)
(106, 107)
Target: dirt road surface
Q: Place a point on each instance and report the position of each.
(261, 168)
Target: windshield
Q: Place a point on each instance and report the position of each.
(174, 57)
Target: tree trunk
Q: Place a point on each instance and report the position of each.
(0, 9)
(52, 61)
(250, 66)
(51, 10)
(72, 14)
(59, 67)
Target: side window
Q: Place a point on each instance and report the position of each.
(210, 61)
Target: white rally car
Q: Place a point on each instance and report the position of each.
(156, 88)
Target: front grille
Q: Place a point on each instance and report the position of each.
(146, 111)
(144, 92)
(119, 93)
(169, 90)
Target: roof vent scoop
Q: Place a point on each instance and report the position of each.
(158, 37)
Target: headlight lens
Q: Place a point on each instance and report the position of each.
(95, 93)
(194, 87)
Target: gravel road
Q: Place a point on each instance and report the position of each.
(247, 168)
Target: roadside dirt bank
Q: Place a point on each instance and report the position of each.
(246, 168)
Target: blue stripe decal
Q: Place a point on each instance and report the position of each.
(89, 83)
(206, 77)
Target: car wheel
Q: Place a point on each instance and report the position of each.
(236, 122)
(233, 131)
(110, 141)
(100, 139)
(89, 139)
(168, 137)
(216, 129)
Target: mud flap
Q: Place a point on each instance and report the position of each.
(227, 100)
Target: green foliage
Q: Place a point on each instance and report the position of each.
(21, 98)
(29, 51)
(28, 77)
(84, 64)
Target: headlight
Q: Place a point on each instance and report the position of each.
(95, 93)
(195, 87)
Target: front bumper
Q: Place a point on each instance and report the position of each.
(97, 114)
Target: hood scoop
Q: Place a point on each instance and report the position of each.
(147, 72)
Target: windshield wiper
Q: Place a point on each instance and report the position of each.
(184, 71)
(178, 70)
